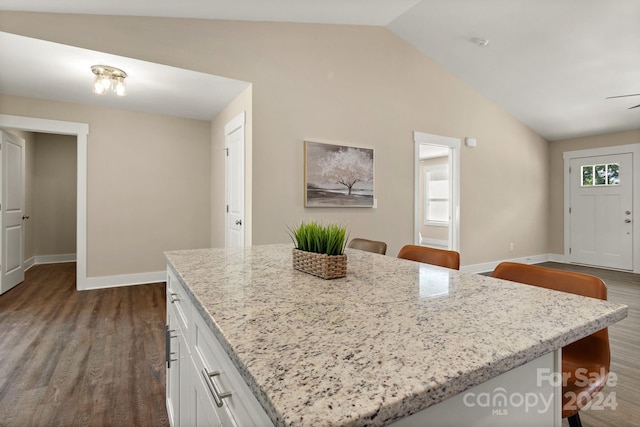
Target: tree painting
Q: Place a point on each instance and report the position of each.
(338, 175)
(347, 167)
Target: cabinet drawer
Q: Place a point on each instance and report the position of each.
(208, 355)
(178, 299)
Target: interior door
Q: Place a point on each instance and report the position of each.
(600, 211)
(235, 218)
(12, 166)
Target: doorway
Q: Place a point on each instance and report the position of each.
(80, 131)
(600, 207)
(436, 191)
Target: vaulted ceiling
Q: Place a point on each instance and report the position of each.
(549, 63)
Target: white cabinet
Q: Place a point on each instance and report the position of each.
(173, 368)
(178, 358)
(203, 386)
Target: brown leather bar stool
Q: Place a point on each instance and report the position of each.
(374, 246)
(433, 256)
(591, 353)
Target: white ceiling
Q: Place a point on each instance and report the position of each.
(67, 77)
(549, 63)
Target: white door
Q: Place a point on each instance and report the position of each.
(12, 166)
(235, 220)
(601, 211)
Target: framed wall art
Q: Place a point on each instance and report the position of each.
(337, 176)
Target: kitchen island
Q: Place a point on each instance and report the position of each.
(389, 342)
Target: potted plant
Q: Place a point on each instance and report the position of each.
(319, 249)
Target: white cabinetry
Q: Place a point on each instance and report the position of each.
(176, 347)
(204, 388)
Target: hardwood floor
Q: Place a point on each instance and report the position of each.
(624, 340)
(91, 358)
(96, 358)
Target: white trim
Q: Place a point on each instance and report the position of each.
(29, 263)
(51, 259)
(48, 259)
(125, 280)
(559, 258)
(81, 130)
(236, 123)
(634, 150)
(442, 244)
(454, 145)
(490, 266)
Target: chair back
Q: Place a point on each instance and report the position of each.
(592, 352)
(374, 246)
(559, 280)
(433, 256)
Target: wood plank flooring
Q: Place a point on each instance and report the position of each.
(96, 358)
(91, 358)
(624, 340)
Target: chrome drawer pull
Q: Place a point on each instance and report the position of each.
(171, 297)
(217, 396)
(167, 346)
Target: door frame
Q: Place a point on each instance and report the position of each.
(454, 145)
(634, 150)
(81, 132)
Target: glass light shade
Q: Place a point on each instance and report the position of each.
(105, 80)
(97, 86)
(120, 88)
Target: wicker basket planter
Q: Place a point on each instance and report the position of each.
(321, 265)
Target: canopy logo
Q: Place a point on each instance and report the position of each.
(500, 401)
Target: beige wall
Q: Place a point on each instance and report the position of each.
(347, 84)
(54, 191)
(218, 200)
(148, 183)
(556, 189)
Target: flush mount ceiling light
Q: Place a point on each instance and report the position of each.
(481, 42)
(109, 78)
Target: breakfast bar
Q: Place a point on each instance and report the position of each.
(393, 342)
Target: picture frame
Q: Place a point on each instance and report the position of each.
(338, 176)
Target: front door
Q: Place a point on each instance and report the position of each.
(601, 211)
(12, 178)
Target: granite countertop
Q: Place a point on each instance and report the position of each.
(390, 339)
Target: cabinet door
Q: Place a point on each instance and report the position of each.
(206, 412)
(240, 407)
(183, 366)
(178, 300)
(173, 368)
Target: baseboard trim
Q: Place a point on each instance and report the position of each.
(103, 282)
(117, 281)
(441, 244)
(490, 266)
(559, 258)
(48, 259)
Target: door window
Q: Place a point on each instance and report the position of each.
(601, 175)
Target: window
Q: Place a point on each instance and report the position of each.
(601, 175)
(436, 187)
